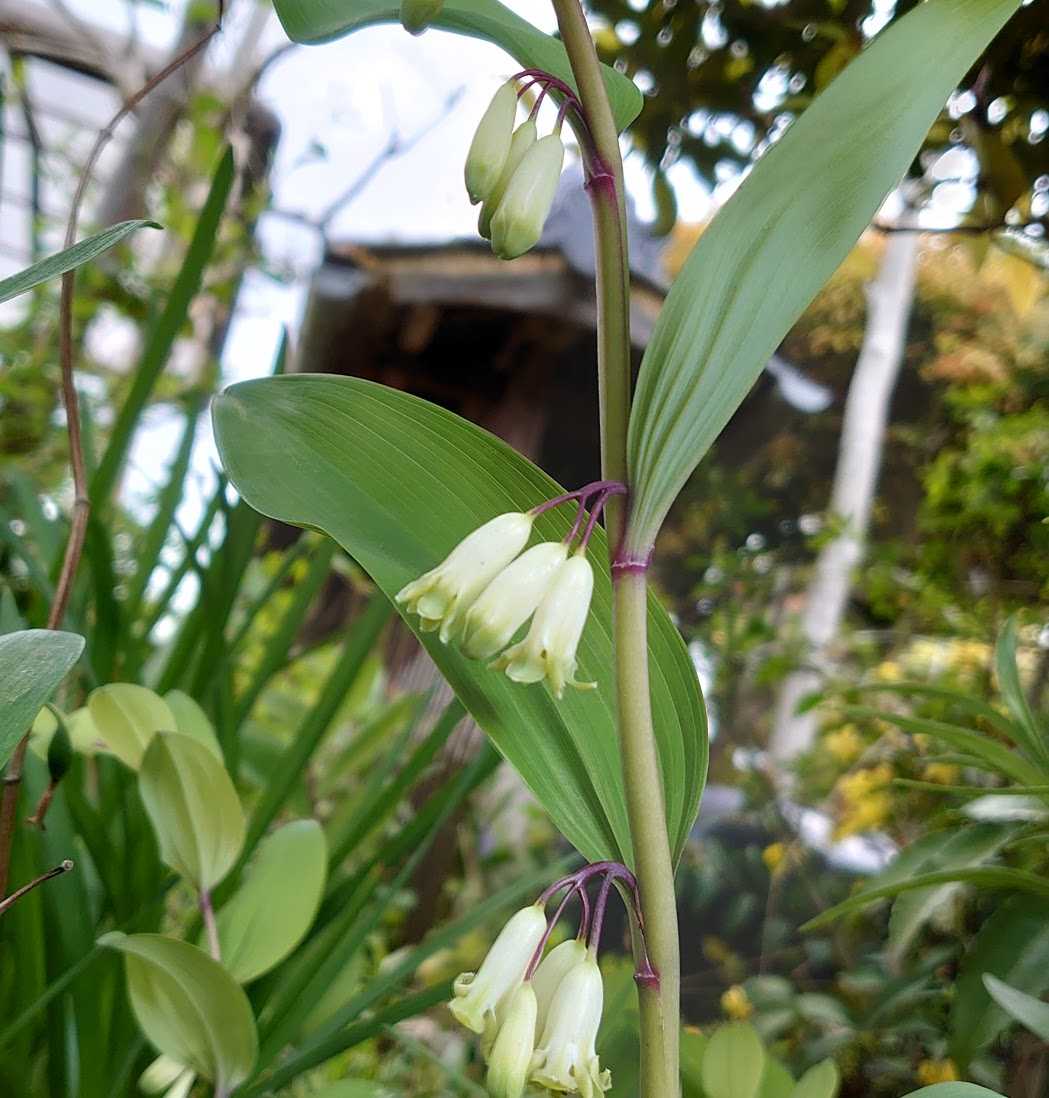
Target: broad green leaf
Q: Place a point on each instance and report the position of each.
(952, 848)
(32, 663)
(782, 234)
(189, 1007)
(314, 21)
(79, 725)
(194, 809)
(128, 717)
(167, 1076)
(990, 877)
(822, 1080)
(272, 910)
(191, 720)
(1033, 739)
(776, 1081)
(1023, 1008)
(1013, 944)
(398, 482)
(693, 1047)
(69, 258)
(953, 1090)
(733, 1062)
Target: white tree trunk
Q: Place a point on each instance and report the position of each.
(889, 298)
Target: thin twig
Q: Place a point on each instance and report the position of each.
(966, 230)
(81, 502)
(63, 867)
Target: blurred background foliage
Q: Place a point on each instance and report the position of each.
(321, 718)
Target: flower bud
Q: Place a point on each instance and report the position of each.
(566, 1059)
(511, 1054)
(518, 222)
(553, 968)
(523, 139)
(549, 650)
(481, 998)
(442, 596)
(417, 15)
(510, 600)
(491, 144)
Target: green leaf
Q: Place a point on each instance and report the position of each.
(351, 1088)
(358, 446)
(128, 717)
(952, 848)
(782, 234)
(822, 1080)
(1013, 944)
(693, 1048)
(32, 663)
(188, 1006)
(193, 807)
(953, 1090)
(1030, 736)
(311, 22)
(191, 720)
(776, 1081)
(990, 877)
(1023, 1008)
(69, 258)
(733, 1062)
(162, 336)
(272, 910)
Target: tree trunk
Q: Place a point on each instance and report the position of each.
(859, 460)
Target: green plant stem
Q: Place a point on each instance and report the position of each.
(653, 864)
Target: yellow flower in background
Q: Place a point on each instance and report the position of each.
(867, 814)
(736, 1004)
(773, 856)
(845, 744)
(855, 786)
(969, 656)
(888, 671)
(936, 1071)
(941, 773)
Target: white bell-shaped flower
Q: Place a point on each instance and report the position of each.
(549, 649)
(491, 143)
(522, 213)
(442, 596)
(566, 1059)
(523, 139)
(481, 998)
(553, 968)
(510, 600)
(511, 1055)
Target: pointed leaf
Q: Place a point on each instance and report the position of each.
(782, 234)
(189, 1007)
(312, 22)
(66, 260)
(193, 807)
(1023, 1008)
(398, 482)
(272, 910)
(32, 663)
(822, 1080)
(733, 1062)
(1029, 735)
(1013, 944)
(128, 717)
(191, 720)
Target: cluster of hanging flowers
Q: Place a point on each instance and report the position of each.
(512, 172)
(487, 588)
(538, 1016)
